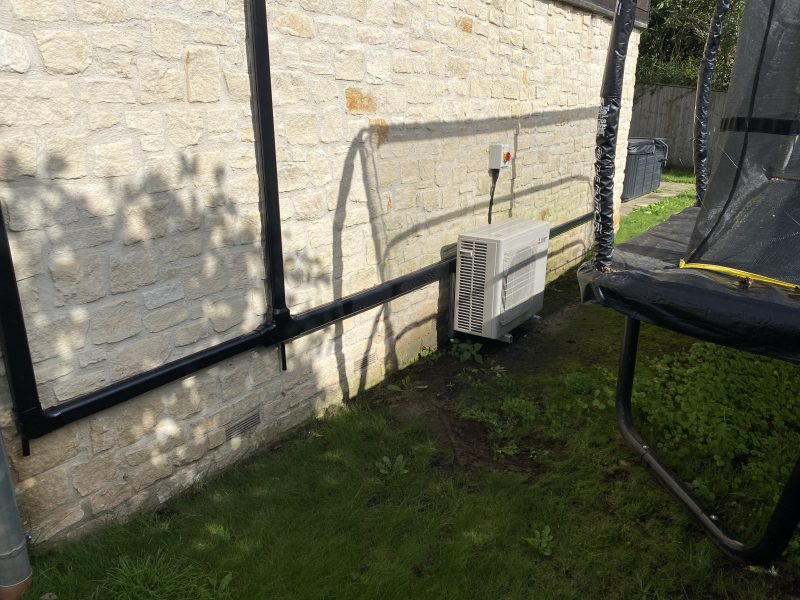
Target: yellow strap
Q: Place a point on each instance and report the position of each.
(737, 273)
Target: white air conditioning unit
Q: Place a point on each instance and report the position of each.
(500, 275)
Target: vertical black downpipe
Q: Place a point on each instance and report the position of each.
(702, 105)
(607, 129)
(266, 158)
(14, 339)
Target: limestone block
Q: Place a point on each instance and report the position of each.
(161, 296)
(66, 156)
(349, 64)
(191, 452)
(200, 279)
(238, 86)
(132, 269)
(94, 475)
(17, 156)
(146, 219)
(114, 159)
(110, 39)
(309, 206)
(14, 55)
(222, 125)
(38, 495)
(191, 333)
(168, 37)
(115, 65)
(57, 337)
(215, 35)
(149, 124)
(207, 168)
(109, 497)
(26, 248)
(46, 452)
(39, 10)
(244, 190)
(100, 11)
(301, 128)
(294, 23)
(159, 81)
(226, 313)
(288, 87)
(138, 356)
(165, 317)
(146, 474)
(359, 101)
(234, 380)
(64, 52)
(78, 384)
(182, 246)
(79, 278)
(202, 74)
(185, 127)
(107, 91)
(34, 103)
(103, 120)
(204, 6)
(79, 236)
(115, 322)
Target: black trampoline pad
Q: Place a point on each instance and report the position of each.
(647, 284)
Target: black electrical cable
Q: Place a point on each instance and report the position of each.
(495, 175)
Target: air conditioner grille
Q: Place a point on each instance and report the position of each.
(518, 281)
(471, 286)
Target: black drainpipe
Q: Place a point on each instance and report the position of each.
(34, 421)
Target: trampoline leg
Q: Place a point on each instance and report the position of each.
(784, 518)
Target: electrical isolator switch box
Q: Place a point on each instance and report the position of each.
(499, 156)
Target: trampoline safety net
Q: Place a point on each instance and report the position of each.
(749, 221)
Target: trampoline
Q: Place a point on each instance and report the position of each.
(727, 270)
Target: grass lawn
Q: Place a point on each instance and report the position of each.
(484, 471)
(678, 175)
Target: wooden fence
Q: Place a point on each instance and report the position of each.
(661, 111)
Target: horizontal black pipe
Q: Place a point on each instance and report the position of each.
(571, 224)
(35, 422)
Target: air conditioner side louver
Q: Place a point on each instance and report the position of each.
(471, 287)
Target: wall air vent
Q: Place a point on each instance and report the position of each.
(243, 426)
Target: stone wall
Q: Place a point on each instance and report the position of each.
(129, 188)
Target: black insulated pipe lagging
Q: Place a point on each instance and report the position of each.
(607, 129)
(702, 105)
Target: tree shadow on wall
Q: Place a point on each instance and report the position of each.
(542, 178)
(122, 275)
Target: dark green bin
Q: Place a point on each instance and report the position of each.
(646, 158)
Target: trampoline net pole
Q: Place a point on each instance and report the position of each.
(607, 129)
(702, 105)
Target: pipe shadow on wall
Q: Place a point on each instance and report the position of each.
(371, 154)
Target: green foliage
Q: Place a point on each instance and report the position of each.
(735, 411)
(404, 387)
(465, 351)
(671, 48)
(160, 577)
(590, 390)
(542, 541)
(644, 217)
(678, 175)
(392, 468)
(428, 355)
(509, 418)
